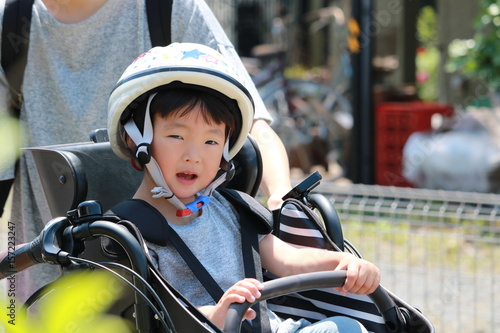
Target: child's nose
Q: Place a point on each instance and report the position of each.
(192, 154)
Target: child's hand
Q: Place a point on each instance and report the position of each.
(241, 291)
(363, 277)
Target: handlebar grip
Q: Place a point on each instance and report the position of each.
(35, 250)
(17, 261)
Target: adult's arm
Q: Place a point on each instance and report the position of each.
(276, 174)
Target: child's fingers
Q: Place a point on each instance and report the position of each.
(362, 278)
(247, 289)
(250, 314)
(252, 286)
(254, 282)
(369, 279)
(370, 285)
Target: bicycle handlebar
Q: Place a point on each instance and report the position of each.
(388, 309)
(90, 224)
(43, 249)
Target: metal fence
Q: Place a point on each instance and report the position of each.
(437, 250)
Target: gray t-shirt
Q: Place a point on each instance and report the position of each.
(215, 239)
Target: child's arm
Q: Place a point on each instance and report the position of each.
(283, 259)
(244, 290)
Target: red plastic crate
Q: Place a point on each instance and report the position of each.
(395, 122)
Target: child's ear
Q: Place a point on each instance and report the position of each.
(130, 144)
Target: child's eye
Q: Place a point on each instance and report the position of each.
(175, 136)
(211, 142)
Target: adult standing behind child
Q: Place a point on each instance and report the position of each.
(182, 112)
(77, 51)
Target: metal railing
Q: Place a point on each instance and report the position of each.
(437, 250)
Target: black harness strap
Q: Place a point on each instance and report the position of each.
(251, 259)
(248, 210)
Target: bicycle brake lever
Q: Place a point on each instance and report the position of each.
(301, 190)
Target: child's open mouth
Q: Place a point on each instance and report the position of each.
(187, 176)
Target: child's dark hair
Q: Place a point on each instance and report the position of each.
(180, 99)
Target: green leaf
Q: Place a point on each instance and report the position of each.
(10, 136)
(77, 302)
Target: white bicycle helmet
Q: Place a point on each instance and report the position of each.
(187, 63)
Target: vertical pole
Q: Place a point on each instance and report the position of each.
(362, 159)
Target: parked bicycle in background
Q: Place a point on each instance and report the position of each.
(311, 108)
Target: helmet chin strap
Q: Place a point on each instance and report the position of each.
(143, 154)
(163, 191)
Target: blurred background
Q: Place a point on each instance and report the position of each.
(386, 92)
(396, 103)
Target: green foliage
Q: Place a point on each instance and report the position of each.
(76, 304)
(9, 136)
(427, 32)
(479, 57)
(427, 63)
(427, 58)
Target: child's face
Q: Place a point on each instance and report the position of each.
(188, 150)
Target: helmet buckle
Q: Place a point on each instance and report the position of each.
(143, 153)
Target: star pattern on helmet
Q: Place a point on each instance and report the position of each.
(210, 58)
(192, 54)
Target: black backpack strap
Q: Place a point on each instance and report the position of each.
(5, 186)
(159, 14)
(15, 41)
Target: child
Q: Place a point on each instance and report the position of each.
(181, 113)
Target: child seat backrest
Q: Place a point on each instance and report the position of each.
(297, 224)
(73, 173)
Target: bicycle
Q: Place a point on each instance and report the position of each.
(313, 119)
(157, 306)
